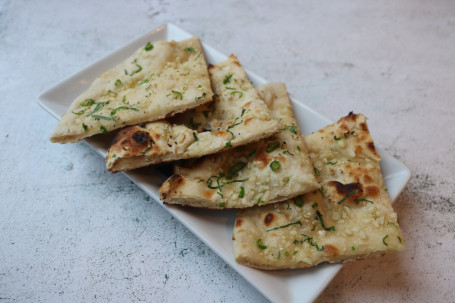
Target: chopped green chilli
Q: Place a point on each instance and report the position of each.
(275, 165)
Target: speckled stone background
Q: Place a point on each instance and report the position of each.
(72, 232)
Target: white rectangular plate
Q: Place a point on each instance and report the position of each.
(215, 227)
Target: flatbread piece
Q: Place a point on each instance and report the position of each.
(157, 81)
(275, 169)
(236, 117)
(350, 217)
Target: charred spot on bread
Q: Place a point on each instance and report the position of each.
(141, 137)
(238, 223)
(268, 219)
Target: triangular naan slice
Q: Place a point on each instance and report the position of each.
(157, 81)
(350, 217)
(236, 117)
(268, 171)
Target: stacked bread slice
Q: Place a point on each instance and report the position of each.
(301, 200)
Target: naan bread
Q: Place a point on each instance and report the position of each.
(157, 81)
(237, 116)
(268, 171)
(349, 217)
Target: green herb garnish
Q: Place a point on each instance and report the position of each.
(228, 144)
(298, 201)
(315, 204)
(148, 148)
(317, 173)
(260, 201)
(310, 241)
(220, 183)
(221, 205)
(117, 83)
(331, 228)
(227, 79)
(115, 110)
(200, 180)
(383, 240)
(237, 92)
(291, 128)
(84, 127)
(242, 192)
(190, 49)
(348, 195)
(332, 163)
(399, 239)
(103, 129)
(149, 46)
(260, 244)
(234, 169)
(352, 248)
(271, 146)
(177, 95)
(339, 138)
(283, 226)
(195, 137)
(139, 68)
(88, 102)
(97, 117)
(364, 198)
(79, 112)
(275, 165)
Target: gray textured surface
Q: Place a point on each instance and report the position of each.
(70, 231)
